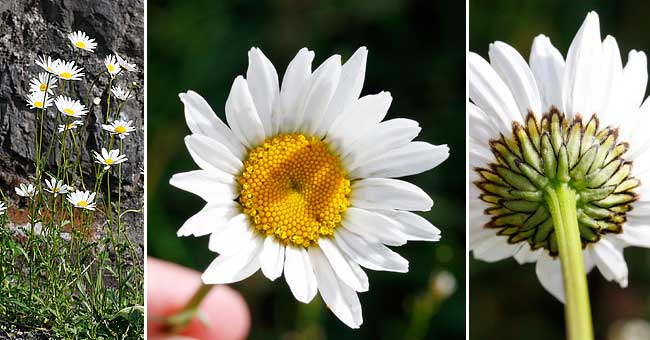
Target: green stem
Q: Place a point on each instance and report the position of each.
(561, 200)
(180, 320)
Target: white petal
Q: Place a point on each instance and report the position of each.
(373, 256)
(527, 255)
(389, 134)
(295, 79)
(549, 273)
(201, 119)
(583, 88)
(389, 194)
(210, 219)
(612, 75)
(514, 70)
(211, 186)
(242, 115)
(494, 249)
(413, 226)
(236, 267)
(637, 235)
(610, 261)
(346, 269)
(299, 273)
(547, 65)
(263, 85)
(353, 74)
(209, 154)
(236, 234)
(373, 227)
(635, 80)
(319, 93)
(339, 298)
(488, 91)
(360, 118)
(272, 258)
(410, 159)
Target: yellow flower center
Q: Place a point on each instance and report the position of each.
(80, 44)
(65, 75)
(120, 129)
(38, 104)
(55, 189)
(108, 161)
(82, 203)
(43, 87)
(111, 68)
(293, 188)
(69, 111)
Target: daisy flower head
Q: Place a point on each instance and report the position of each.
(35, 100)
(68, 71)
(109, 158)
(302, 180)
(124, 64)
(121, 93)
(82, 199)
(559, 129)
(26, 190)
(70, 107)
(119, 127)
(48, 64)
(82, 41)
(2, 208)
(42, 83)
(70, 126)
(112, 65)
(56, 187)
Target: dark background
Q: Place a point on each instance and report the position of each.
(416, 51)
(506, 299)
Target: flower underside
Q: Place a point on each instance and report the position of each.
(538, 157)
(294, 188)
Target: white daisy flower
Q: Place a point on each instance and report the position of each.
(112, 65)
(578, 123)
(56, 187)
(109, 158)
(2, 208)
(300, 181)
(35, 100)
(70, 107)
(80, 40)
(41, 84)
(119, 127)
(68, 71)
(121, 93)
(48, 64)
(124, 64)
(82, 199)
(26, 190)
(70, 126)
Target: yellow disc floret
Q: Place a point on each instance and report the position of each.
(120, 129)
(294, 188)
(80, 44)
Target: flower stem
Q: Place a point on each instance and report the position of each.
(179, 321)
(561, 200)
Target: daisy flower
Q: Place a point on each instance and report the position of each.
(26, 190)
(41, 84)
(70, 107)
(109, 158)
(82, 199)
(124, 64)
(112, 65)
(301, 180)
(70, 126)
(56, 187)
(119, 127)
(574, 126)
(68, 71)
(35, 100)
(121, 93)
(81, 41)
(48, 64)
(2, 208)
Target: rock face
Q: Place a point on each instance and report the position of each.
(30, 28)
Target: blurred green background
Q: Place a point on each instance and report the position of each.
(506, 299)
(416, 51)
